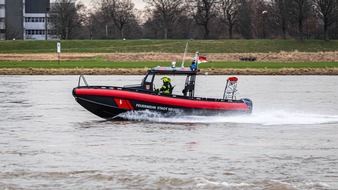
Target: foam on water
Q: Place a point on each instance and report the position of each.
(204, 183)
(276, 117)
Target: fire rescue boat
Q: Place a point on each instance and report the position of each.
(110, 101)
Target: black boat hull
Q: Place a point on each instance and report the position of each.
(108, 103)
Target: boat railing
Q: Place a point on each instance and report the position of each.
(84, 80)
(230, 88)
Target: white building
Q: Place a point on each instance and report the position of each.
(35, 26)
(25, 19)
(2, 19)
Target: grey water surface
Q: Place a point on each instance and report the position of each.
(48, 141)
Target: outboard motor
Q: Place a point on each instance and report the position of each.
(230, 89)
(249, 103)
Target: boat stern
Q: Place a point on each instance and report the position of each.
(248, 103)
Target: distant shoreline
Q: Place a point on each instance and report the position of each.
(135, 71)
(50, 66)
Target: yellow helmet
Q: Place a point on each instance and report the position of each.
(166, 79)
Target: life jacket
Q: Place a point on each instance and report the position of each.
(166, 88)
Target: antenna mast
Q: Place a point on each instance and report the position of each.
(185, 53)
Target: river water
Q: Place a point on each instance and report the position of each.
(48, 141)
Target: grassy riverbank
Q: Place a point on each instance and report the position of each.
(169, 46)
(136, 56)
(95, 67)
(129, 65)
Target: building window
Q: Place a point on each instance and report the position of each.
(34, 19)
(35, 32)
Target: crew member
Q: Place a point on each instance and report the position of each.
(193, 65)
(166, 87)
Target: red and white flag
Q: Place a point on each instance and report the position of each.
(202, 59)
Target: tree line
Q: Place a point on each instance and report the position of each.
(196, 19)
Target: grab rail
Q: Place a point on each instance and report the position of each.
(84, 80)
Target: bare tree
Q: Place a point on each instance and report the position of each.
(114, 14)
(327, 11)
(101, 20)
(244, 21)
(122, 13)
(280, 11)
(300, 10)
(262, 19)
(167, 12)
(204, 13)
(210, 18)
(67, 17)
(12, 33)
(230, 14)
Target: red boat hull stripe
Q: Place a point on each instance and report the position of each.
(123, 95)
(125, 104)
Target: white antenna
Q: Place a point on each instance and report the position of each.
(196, 57)
(185, 53)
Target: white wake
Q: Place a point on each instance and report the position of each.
(262, 118)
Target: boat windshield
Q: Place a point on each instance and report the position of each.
(149, 78)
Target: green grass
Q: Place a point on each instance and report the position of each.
(169, 46)
(107, 64)
(270, 65)
(76, 64)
